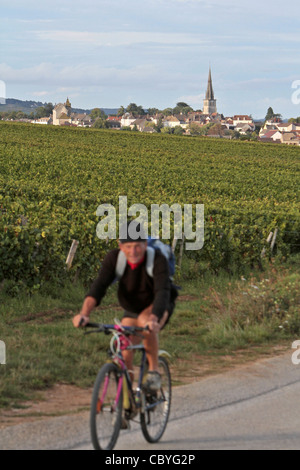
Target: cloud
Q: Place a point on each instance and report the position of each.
(41, 93)
(84, 74)
(195, 101)
(120, 38)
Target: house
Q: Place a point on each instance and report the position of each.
(114, 122)
(272, 135)
(288, 127)
(127, 119)
(242, 119)
(244, 127)
(273, 122)
(171, 121)
(43, 120)
(157, 118)
(140, 124)
(182, 119)
(290, 138)
(81, 119)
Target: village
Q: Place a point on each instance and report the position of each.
(192, 123)
(182, 120)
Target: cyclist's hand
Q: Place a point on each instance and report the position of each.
(153, 324)
(80, 320)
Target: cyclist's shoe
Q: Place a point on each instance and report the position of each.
(153, 381)
(125, 423)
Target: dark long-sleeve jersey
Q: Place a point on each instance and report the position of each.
(136, 290)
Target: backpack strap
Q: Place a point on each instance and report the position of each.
(121, 265)
(150, 260)
(122, 262)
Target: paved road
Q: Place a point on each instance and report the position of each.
(253, 407)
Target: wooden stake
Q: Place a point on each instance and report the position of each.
(71, 254)
(263, 251)
(274, 239)
(181, 251)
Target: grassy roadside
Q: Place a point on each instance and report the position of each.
(219, 321)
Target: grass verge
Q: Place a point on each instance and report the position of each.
(219, 321)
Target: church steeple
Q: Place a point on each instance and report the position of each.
(209, 91)
(67, 103)
(209, 103)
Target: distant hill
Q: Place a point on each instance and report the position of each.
(27, 107)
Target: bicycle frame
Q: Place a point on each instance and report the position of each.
(129, 398)
(120, 342)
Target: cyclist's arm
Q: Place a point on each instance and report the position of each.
(105, 277)
(162, 286)
(82, 318)
(97, 290)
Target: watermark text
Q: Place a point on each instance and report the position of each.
(2, 92)
(296, 354)
(2, 352)
(187, 221)
(296, 93)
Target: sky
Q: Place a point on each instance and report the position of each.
(110, 53)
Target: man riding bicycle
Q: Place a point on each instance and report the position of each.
(147, 300)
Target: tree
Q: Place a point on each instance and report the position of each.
(271, 115)
(153, 111)
(97, 113)
(195, 129)
(100, 123)
(178, 130)
(135, 110)
(182, 108)
(216, 129)
(167, 112)
(181, 104)
(48, 109)
(121, 111)
(166, 130)
(294, 120)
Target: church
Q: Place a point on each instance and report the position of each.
(209, 103)
(61, 113)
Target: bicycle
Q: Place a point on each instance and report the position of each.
(114, 397)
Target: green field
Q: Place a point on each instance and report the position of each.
(51, 182)
(53, 179)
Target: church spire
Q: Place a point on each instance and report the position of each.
(209, 92)
(209, 103)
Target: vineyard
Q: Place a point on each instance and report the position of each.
(52, 179)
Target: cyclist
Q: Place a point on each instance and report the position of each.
(147, 301)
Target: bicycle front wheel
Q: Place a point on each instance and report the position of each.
(106, 408)
(156, 406)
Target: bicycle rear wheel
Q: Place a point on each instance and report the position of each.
(106, 408)
(156, 406)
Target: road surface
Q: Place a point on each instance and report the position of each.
(252, 407)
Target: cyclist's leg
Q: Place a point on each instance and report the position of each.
(150, 338)
(151, 342)
(128, 354)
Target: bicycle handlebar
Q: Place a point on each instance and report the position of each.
(108, 328)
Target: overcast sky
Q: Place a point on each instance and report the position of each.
(108, 53)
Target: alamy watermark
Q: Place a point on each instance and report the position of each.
(187, 221)
(296, 93)
(2, 92)
(296, 354)
(2, 352)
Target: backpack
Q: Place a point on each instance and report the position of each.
(153, 246)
